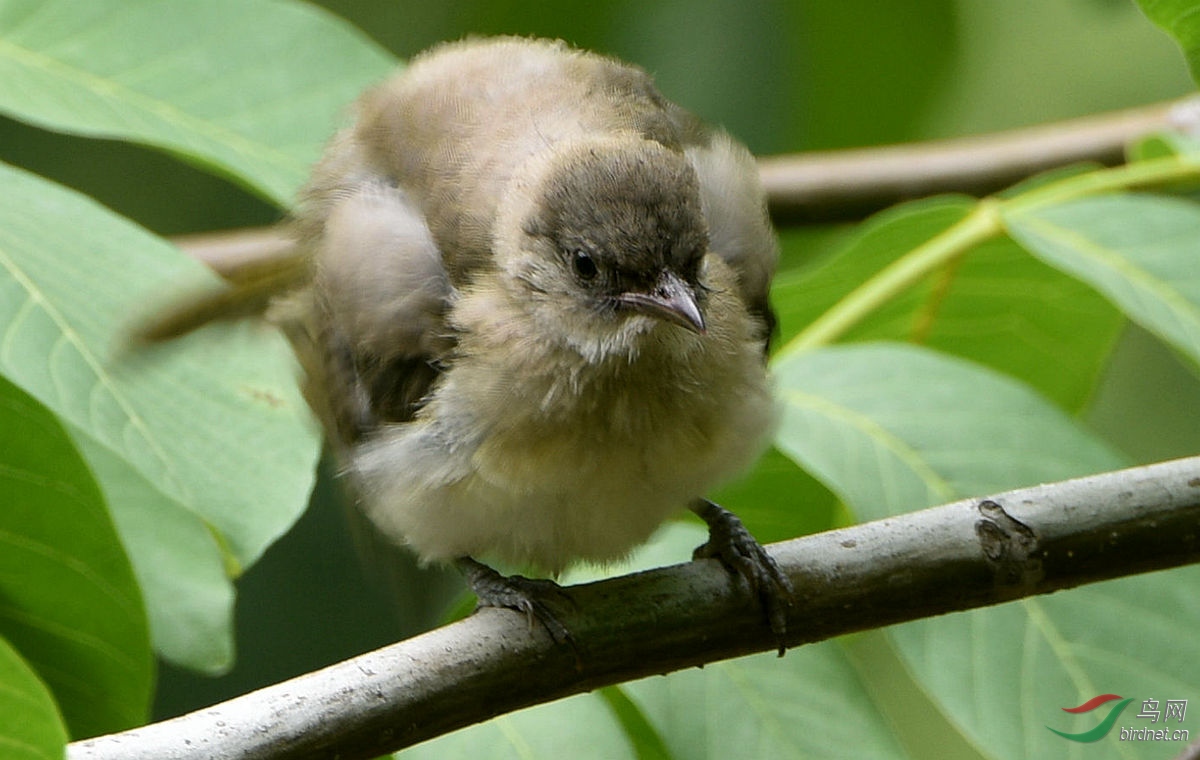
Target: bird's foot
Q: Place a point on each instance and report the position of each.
(516, 592)
(730, 542)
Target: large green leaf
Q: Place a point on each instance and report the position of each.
(891, 428)
(30, 726)
(810, 704)
(179, 559)
(802, 295)
(204, 448)
(249, 87)
(536, 732)
(1004, 674)
(997, 306)
(1181, 20)
(1141, 251)
(68, 598)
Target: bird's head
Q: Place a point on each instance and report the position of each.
(608, 239)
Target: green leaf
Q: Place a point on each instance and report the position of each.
(800, 296)
(1004, 674)
(30, 726)
(68, 599)
(777, 500)
(892, 428)
(250, 87)
(536, 732)
(1141, 251)
(1010, 312)
(916, 719)
(180, 563)
(810, 704)
(996, 306)
(647, 744)
(1180, 19)
(1161, 145)
(204, 448)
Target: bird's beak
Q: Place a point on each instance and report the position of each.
(671, 299)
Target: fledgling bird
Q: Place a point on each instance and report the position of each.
(538, 313)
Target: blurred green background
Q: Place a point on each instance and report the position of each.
(784, 77)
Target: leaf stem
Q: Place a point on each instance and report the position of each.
(986, 220)
(1158, 171)
(981, 223)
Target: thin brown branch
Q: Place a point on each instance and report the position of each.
(851, 184)
(955, 557)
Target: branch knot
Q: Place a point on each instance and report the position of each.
(1010, 546)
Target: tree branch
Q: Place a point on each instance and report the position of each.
(850, 184)
(967, 554)
(846, 185)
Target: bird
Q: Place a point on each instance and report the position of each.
(534, 316)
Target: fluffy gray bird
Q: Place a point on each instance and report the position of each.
(538, 314)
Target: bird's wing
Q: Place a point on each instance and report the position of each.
(734, 205)
(374, 333)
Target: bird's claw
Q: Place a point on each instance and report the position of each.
(526, 595)
(732, 544)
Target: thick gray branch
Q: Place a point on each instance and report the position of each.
(955, 557)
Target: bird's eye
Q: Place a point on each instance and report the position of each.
(584, 265)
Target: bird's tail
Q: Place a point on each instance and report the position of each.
(269, 266)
